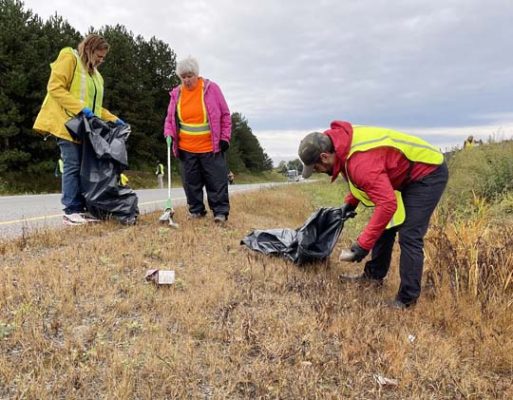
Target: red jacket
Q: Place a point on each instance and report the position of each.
(378, 172)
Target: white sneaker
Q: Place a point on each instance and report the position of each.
(89, 217)
(220, 219)
(73, 219)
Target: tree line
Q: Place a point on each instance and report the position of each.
(138, 75)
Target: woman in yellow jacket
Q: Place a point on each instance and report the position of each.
(75, 86)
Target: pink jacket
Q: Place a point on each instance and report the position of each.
(218, 116)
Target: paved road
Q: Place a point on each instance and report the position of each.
(26, 213)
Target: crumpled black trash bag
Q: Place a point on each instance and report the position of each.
(104, 158)
(312, 242)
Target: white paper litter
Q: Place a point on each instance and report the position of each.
(382, 381)
(160, 276)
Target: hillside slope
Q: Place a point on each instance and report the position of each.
(77, 319)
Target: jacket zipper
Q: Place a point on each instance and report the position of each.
(95, 92)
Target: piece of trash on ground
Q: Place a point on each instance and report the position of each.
(160, 276)
(382, 381)
(411, 338)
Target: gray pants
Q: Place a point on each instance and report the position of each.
(160, 180)
(420, 199)
(205, 170)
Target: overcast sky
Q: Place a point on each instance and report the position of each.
(439, 69)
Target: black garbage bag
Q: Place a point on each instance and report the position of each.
(312, 242)
(104, 158)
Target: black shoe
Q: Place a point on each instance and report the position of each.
(399, 305)
(360, 279)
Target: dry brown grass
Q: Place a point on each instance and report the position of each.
(78, 321)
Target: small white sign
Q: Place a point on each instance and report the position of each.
(166, 277)
(160, 276)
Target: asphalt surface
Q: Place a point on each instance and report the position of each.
(27, 213)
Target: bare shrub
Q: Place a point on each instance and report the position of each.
(473, 255)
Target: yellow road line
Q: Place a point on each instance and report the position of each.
(44, 217)
(17, 221)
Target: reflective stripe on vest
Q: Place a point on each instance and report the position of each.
(85, 87)
(413, 148)
(194, 129)
(79, 70)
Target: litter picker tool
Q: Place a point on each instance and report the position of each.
(169, 212)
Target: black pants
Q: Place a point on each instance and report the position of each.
(205, 170)
(420, 199)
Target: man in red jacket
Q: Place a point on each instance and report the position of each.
(402, 176)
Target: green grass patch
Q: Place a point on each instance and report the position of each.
(323, 193)
(46, 182)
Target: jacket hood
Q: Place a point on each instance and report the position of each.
(341, 134)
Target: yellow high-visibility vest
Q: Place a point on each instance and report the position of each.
(467, 144)
(413, 148)
(85, 87)
(202, 128)
(68, 93)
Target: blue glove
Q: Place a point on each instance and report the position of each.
(119, 122)
(87, 112)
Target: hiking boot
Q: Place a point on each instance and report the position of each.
(220, 218)
(73, 219)
(398, 304)
(360, 279)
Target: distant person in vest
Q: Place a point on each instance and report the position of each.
(160, 174)
(199, 123)
(469, 143)
(59, 168)
(401, 176)
(75, 86)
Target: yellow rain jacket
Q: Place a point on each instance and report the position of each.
(70, 89)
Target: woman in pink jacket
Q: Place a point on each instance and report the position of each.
(198, 121)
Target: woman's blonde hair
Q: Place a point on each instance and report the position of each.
(87, 48)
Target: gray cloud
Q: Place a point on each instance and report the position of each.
(293, 66)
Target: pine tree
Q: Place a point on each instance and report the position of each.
(251, 153)
(138, 75)
(19, 30)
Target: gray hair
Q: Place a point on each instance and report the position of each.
(187, 65)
